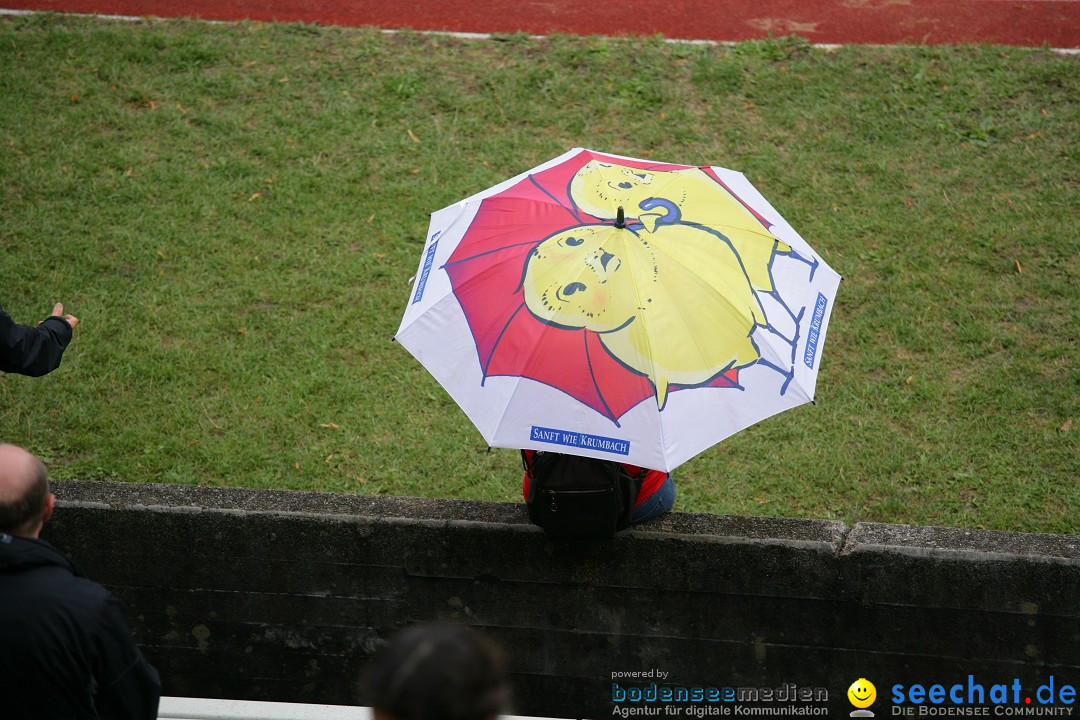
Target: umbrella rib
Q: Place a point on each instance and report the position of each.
(592, 375)
(659, 189)
(542, 189)
(547, 192)
(495, 345)
(501, 248)
(757, 216)
(727, 301)
(584, 335)
(659, 410)
(764, 232)
(536, 183)
(650, 375)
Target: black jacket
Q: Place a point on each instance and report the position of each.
(32, 350)
(65, 647)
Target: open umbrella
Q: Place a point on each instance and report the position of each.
(619, 308)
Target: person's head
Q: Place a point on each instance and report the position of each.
(437, 672)
(25, 500)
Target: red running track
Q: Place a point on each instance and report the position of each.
(1012, 22)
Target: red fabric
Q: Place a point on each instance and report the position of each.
(649, 485)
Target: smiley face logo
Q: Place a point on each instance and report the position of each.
(862, 693)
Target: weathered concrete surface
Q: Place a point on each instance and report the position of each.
(276, 595)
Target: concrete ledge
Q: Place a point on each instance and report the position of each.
(282, 596)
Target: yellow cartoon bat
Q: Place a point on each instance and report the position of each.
(599, 188)
(674, 305)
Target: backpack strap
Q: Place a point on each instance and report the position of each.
(527, 459)
(639, 480)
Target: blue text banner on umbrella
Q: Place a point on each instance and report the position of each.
(815, 331)
(429, 259)
(570, 438)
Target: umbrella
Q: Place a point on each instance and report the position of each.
(619, 308)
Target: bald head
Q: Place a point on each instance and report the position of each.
(24, 492)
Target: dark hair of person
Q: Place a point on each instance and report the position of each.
(21, 512)
(437, 672)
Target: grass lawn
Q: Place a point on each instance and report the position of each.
(234, 213)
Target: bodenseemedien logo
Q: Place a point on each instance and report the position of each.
(862, 695)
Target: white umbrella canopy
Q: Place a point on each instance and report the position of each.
(619, 308)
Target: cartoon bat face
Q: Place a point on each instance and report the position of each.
(581, 277)
(675, 305)
(600, 188)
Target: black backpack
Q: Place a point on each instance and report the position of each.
(579, 498)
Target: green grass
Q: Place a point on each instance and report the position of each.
(234, 211)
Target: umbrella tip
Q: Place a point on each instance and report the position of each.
(620, 219)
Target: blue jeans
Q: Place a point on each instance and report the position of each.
(657, 504)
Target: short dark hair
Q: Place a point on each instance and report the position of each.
(24, 510)
(437, 671)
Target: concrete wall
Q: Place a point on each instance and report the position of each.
(275, 595)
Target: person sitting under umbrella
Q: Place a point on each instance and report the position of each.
(655, 496)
